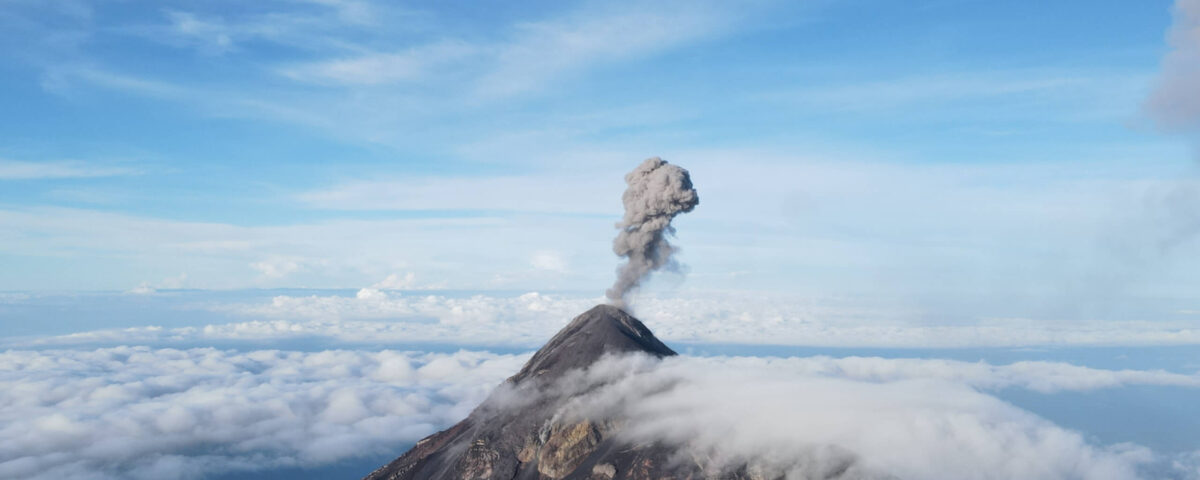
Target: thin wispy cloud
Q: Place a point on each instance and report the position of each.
(417, 64)
(809, 215)
(528, 193)
(307, 26)
(278, 267)
(547, 50)
(64, 79)
(412, 78)
(210, 36)
(25, 170)
(1089, 95)
(388, 311)
(532, 54)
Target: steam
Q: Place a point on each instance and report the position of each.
(657, 191)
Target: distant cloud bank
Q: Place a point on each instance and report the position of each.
(138, 412)
(378, 315)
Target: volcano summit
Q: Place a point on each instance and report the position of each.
(524, 429)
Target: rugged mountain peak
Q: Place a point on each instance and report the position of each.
(527, 429)
(603, 329)
(505, 439)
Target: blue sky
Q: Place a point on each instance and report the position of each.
(347, 220)
(836, 145)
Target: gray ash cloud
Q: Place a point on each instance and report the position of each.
(657, 191)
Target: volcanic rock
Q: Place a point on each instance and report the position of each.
(520, 433)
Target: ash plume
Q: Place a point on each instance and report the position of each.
(657, 191)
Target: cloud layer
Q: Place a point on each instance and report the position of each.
(374, 316)
(137, 412)
(134, 412)
(805, 426)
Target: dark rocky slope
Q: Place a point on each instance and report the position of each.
(515, 433)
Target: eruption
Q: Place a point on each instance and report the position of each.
(657, 191)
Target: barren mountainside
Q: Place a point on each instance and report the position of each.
(517, 434)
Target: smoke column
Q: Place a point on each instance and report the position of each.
(657, 191)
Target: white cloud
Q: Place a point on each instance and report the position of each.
(531, 193)
(1188, 464)
(61, 79)
(396, 282)
(326, 254)
(791, 220)
(142, 289)
(277, 267)
(211, 36)
(1077, 94)
(534, 53)
(177, 281)
(133, 412)
(370, 294)
(414, 64)
(311, 25)
(18, 170)
(789, 424)
(374, 315)
(138, 412)
(146, 288)
(549, 260)
(9, 297)
(1110, 242)
(1039, 376)
(391, 74)
(408, 281)
(354, 12)
(543, 51)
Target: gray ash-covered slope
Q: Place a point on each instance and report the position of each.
(603, 329)
(520, 433)
(507, 439)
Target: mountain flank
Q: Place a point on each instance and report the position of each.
(521, 433)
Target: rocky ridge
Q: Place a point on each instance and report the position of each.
(520, 431)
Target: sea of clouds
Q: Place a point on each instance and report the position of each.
(141, 412)
(815, 418)
(159, 401)
(137, 412)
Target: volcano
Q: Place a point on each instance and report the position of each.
(516, 434)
